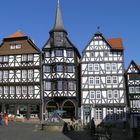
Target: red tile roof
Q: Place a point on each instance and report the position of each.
(115, 43)
(15, 35)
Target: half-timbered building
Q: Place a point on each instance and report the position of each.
(133, 93)
(20, 68)
(61, 71)
(102, 80)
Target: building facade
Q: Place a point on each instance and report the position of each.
(133, 93)
(102, 80)
(20, 66)
(60, 72)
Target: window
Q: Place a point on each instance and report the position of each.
(24, 74)
(109, 114)
(137, 89)
(59, 68)
(1, 91)
(70, 69)
(0, 58)
(97, 80)
(59, 53)
(90, 67)
(108, 79)
(96, 67)
(24, 90)
(30, 74)
(59, 85)
(98, 94)
(105, 54)
(47, 54)
(18, 90)
(92, 54)
(5, 58)
(12, 90)
(114, 67)
(12, 46)
(24, 58)
(92, 94)
(91, 80)
(107, 66)
(30, 57)
(116, 95)
(47, 69)
(5, 74)
(119, 114)
(30, 90)
(131, 89)
(99, 114)
(15, 46)
(6, 89)
(18, 46)
(71, 85)
(48, 86)
(69, 53)
(114, 80)
(109, 93)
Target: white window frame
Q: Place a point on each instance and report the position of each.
(5, 74)
(131, 89)
(114, 67)
(5, 58)
(92, 94)
(137, 89)
(98, 94)
(6, 90)
(12, 90)
(30, 57)
(115, 80)
(24, 74)
(108, 78)
(115, 92)
(90, 67)
(99, 113)
(1, 90)
(96, 67)
(30, 90)
(24, 90)
(92, 54)
(109, 94)
(24, 58)
(30, 74)
(18, 90)
(108, 67)
(91, 80)
(47, 85)
(97, 80)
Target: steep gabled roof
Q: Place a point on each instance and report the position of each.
(133, 63)
(16, 35)
(115, 43)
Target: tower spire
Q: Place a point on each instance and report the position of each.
(58, 25)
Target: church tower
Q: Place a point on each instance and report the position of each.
(60, 71)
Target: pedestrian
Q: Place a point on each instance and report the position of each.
(6, 120)
(92, 126)
(0, 118)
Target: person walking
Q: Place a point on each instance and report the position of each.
(92, 126)
(0, 118)
(6, 120)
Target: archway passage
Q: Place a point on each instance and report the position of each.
(69, 107)
(51, 107)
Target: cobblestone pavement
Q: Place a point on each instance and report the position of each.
(26, 131)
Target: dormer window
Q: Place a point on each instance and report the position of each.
(15, 46)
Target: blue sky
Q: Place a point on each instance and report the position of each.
(35, 18)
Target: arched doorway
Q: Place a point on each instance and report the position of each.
(70, 109)
(51, 106)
